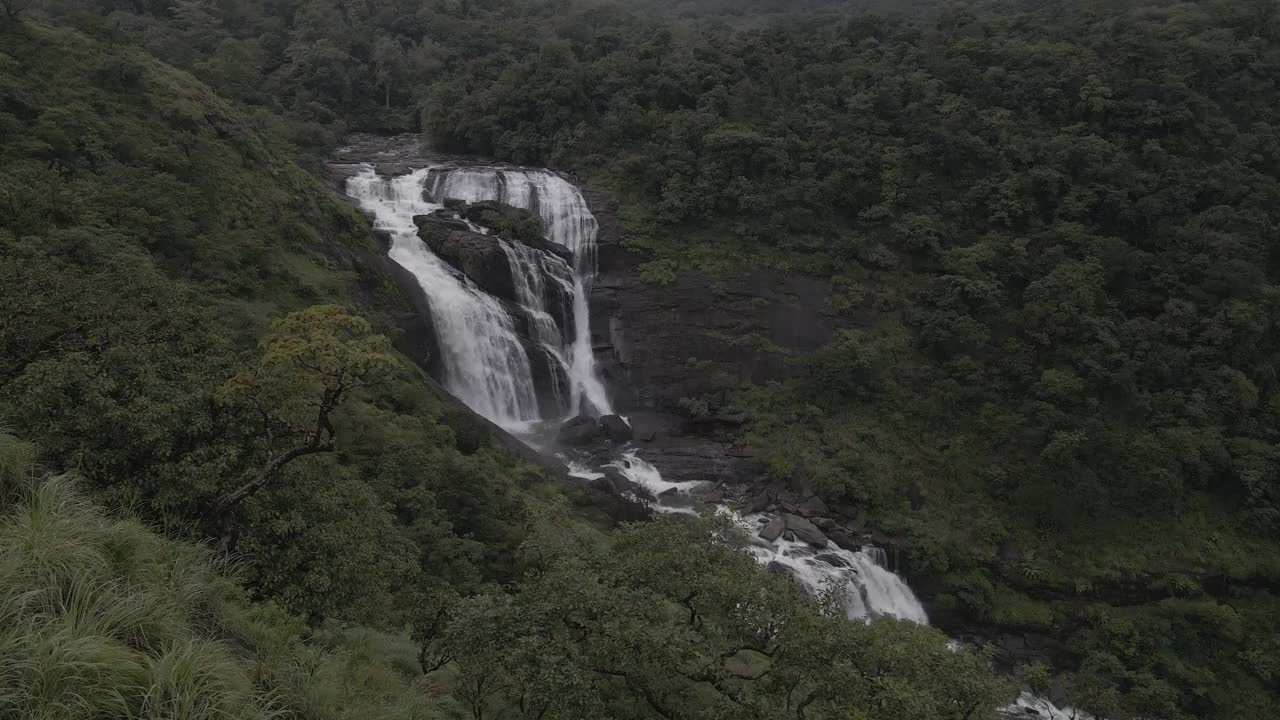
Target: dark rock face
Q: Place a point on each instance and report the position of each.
(832, 559)
(548, 375)
(843, 540)
(417, 338)
(579, 431)
(614, 482)
(616, 429)
(618, 507)
(505, 221)
(482, 259)
(692, 459)
(773, 530)
(617, 479)
(657, 344)
(478, 256)
(805, 531)
(447, 218)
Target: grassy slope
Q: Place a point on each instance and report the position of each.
(103, 618)
(132, 197)
(216, 200)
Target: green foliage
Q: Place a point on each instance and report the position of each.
(506, 221)
(673, 619)
(102, 618)
(1059, 217)
(308, 355)
(170, 280)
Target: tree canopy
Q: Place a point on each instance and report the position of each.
(1059, 216)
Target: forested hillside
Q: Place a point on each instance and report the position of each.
(201, 338)
(1061, 217)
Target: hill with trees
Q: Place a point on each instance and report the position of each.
(235, 496)
(1061, 214)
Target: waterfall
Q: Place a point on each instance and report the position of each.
(870, 589)
(485, 363)
(569, 223)
(530, 271)
(1031, 706)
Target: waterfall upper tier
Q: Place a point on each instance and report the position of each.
(511, 316)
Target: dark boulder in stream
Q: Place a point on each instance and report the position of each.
(579, 431)
(616, 429)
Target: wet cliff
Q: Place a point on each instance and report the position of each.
(658, 343)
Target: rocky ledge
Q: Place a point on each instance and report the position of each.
(482, 258)
(475, 255)
(700, 332)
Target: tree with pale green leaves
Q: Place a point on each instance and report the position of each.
(311, 362)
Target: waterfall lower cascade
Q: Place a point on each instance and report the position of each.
(485, 350)
(871, 590)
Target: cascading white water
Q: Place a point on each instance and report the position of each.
(484, 362)
(530, 270)
(643, 473)
(871, 589)
(569, 223)
(1030, 706)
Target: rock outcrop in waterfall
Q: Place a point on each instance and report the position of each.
(508, 303)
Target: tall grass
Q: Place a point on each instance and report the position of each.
(103, 619)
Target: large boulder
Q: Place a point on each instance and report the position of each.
(812, 506)
(446, 218)
(511, 223)
(714, 496)
(773, 529)
(805, 531)
(833, 560)
(578, 431)
(756, 503)
(843, 539)
(548, 375)
(615, 482)
(617, 477)
(479, 257)
(616, 429)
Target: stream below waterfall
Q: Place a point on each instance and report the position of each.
(490, 347)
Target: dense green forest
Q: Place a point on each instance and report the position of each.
(225, 493)
(1063, 215)
(103, 618)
